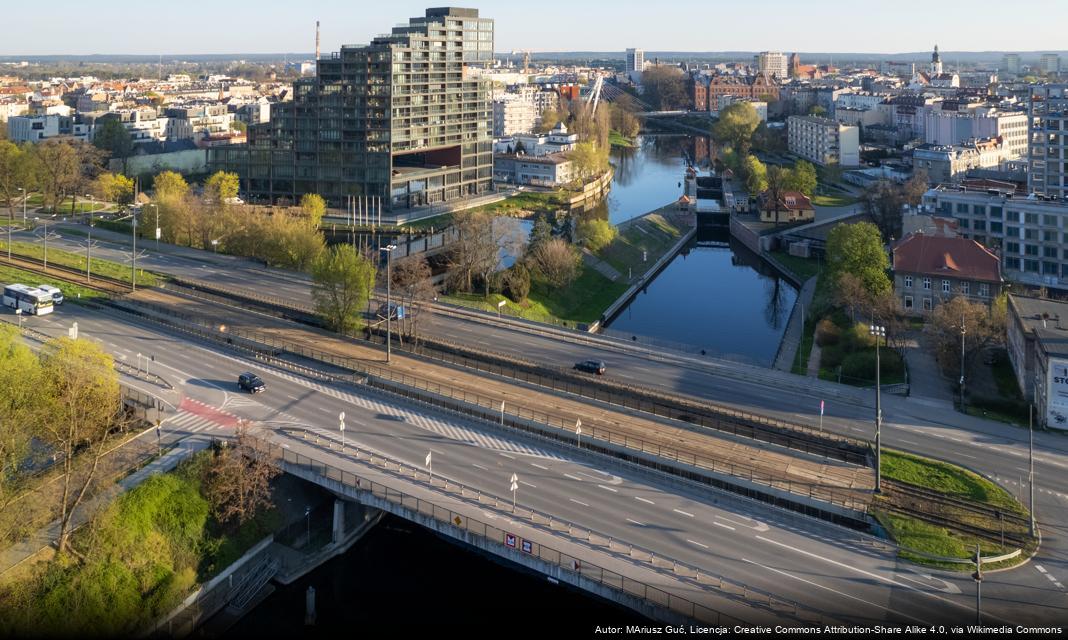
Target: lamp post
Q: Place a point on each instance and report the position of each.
(341, 426)
(133, 252)
(12, 213)
(307, 517)
(879, 332)
(389, 304)
(156, 207)
(92, 206)
(962, 330)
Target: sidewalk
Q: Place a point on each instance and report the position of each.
(791, 338)
(925, 376)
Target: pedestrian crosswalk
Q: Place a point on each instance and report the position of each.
(185, 422)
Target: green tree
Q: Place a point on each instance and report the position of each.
(517, 282)
(16, 171)
(756, 175)
(735, 127)
(664, 88)
(817, 110)
(342, 286)
(313, 206)
(588, 160)
(169, 186)
(20, 394)
(112, 187)
(111, 136)
(540, 232)
(222, 186)
(596, 233)
(858, 249)
(802, 178)
(60, 170)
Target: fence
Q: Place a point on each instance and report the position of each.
(498, 538)
(523, 418)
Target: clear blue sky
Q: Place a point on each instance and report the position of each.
(268, 26)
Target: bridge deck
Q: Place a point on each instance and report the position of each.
(832, 481)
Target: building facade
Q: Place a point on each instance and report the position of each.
(948, 163)
(400, 119)
(1050, 63)
(512, 114)
(550, 170)
(1037, 333)
(930, 270)
(635, 60)
(773, 63)
(823, 141)
(1047, 160)
(948, 127)
(1011, 64)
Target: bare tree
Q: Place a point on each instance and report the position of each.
(476, 251)
(412, 280)
(239, 481)
(556, 261)
(982, 326)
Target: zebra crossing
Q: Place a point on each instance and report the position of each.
(187, 422)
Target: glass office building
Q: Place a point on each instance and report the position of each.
(399, 119)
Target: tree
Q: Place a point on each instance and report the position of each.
(239, 126)
(116, 188)
(412, 282)
(16, 171)
(915, 187)
(475, 252)
(756, 175)
(550, 117)
(81, 389)
(817, 110)
(342, 285)
(313, 206)
(885, 201)
(773, 197)
(112, 137)
(857, 249)
(802, 178)
(735, 127)
(170, 185)
(60, 170)
(238, 481)
(517, 282)
(541, 231)
(221, 186)
(588, 159)
(20, 394)
(596, 233)
(852, 294)
(983, 327)
(556, 262)
(664, 88)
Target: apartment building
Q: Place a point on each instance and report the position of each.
(197, 121)
(823, 141)
(773, 63)
(955, 123)
(1047, 159)
(399, 119)
(947, 163)
(513, 114)
(39, 128)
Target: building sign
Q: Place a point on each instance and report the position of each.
(1057, 394)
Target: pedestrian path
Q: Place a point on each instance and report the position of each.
(599, 265)
(791, 338)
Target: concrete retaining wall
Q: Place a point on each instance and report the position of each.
(662, 262)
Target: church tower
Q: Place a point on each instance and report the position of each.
(936, 62)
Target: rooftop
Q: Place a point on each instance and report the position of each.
(1047, 320)
(946, 256)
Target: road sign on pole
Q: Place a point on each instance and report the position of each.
(821, 416)
(578, 431)
(430, 464)
(341, 425)
(502, 413)
(514, 488)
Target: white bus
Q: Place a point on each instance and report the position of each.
(29, 300)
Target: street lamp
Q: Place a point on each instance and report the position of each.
(25, 196)
(341, 426)
(389, 305)
(978, 577)
(133, 252)
(962, 330)
(156, 207)
(879, 332)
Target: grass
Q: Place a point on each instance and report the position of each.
(653, 234)
(71, 292)
(833, 200)
(525, 203)
(581, 302)
(930, 538)
(617, 139)
(105, 268)
(802, 268)
(437, 222)
(947, 478)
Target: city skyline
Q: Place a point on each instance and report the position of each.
(248, 27)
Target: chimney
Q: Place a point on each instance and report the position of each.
(317, 43)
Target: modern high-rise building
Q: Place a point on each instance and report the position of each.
(635, 60)
(1011, 63)
(399, 119)
(773, 63)
(1051, 63)
(1047, 157)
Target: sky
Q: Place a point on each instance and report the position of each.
(77, 27)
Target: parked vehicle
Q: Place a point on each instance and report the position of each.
(591, 366)
(251, 382)
(57, 295)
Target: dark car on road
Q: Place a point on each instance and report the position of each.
(251, 382)
(591, 366)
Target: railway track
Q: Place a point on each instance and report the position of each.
(956, 513)
(103, 284)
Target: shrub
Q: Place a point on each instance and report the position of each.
(861, 366)
(827, 333)
(517, 282)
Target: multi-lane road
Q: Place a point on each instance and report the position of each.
(911, 424)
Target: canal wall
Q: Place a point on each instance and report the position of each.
(646, 277)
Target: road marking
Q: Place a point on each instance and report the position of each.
(910, 442)
(965, 455)
(608, 488)
(508, 456)
(577, 502)
(725, 526)
(635, 522)
(532, 486)
(478, 466)
(573, 477)
(688, 515)
(816, 584)
(325, 410)
(1040, 568)
(644, 500)
(703, 546)
(535, 464)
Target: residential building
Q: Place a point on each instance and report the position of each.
(773, 63)
(635, 61)
(760, 106)
(823, 141)
(1047, 155)
(144, 123)
(1037, 341)
(929, 270)
(954, 123)
(1029, 233)
(38, 128)
(794, 207)
(1011, 64)
(199, 120)
(550, 170)
(1050, 63)
(513, 114)
(947, 163)
(758, 87)
(399, 119)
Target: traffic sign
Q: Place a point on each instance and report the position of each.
(528, 547)
(509, 539)
(429, 457)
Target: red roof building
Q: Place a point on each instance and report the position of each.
(932, 269)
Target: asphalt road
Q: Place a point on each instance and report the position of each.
(835, 571)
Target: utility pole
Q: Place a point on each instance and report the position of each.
(962, 361)
(978, 577)
(878, 332)
(389, 304)
(1031, 468)
(133, 253)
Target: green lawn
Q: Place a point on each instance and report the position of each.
(930, 538)
(105, 268)
(653, 234)
(803, 268)
(834, 200)
(437, 223)
(525, 201)
(617, 139)
(71, 292)
(947, 478)
(582, 302)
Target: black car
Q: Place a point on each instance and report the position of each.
(251, 382)
(591, 366)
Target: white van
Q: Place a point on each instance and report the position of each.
(57, 295)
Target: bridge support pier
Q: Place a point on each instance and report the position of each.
(339, 521)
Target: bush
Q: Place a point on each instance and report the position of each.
(861, 366)
(827, 333)
(859, 338)
(517, 282)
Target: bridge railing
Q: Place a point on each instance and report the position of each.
(499, 538)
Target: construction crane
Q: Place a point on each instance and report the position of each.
(526, 58)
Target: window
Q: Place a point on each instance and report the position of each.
(945, 286)
(926, 304)
(978, 209)
(908, 302)
(962, 208)
(1049, 268)
(963, 223)
(1012, 247)
(908, 282)
(1030, 218)
(1049, 221)
(1049, 252)
(965, 288)
(1030, 234)
(1031, 266)
(980, 225)
(1030, 249)
(1012, 263)
(1012, 232)
(1049, 236)
(984, 290)
(1012, 216)
(927, 284)
(995, 213)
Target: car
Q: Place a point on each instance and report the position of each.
(251, 382)
(57, 295)
(591, 366)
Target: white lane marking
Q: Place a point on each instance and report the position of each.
(1040, 568)
(757, 525)
(688, 515)
(846, 595)
(725, 526)
(508, 456)
(478, 466)
(573, 477)
(635, 522)
(577, 502)
(532, 486)
(965, 455)
(608, 488)
(703, 546)
(866, 573)
(644, 500)
(909, 441)
(325, 410)
(535, 464)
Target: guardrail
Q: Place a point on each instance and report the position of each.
(542, 521)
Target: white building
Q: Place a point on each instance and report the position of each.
(943, 127)
(824, 141)
(862, 100)
(1011, 63)
(513, 114)
(635, 60)
(760, 106)
(945, 163)
(773, 63)
(198, 121)
(1051, 63)
(38, 128)
(556, 141)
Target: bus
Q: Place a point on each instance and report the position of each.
(28, 299)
